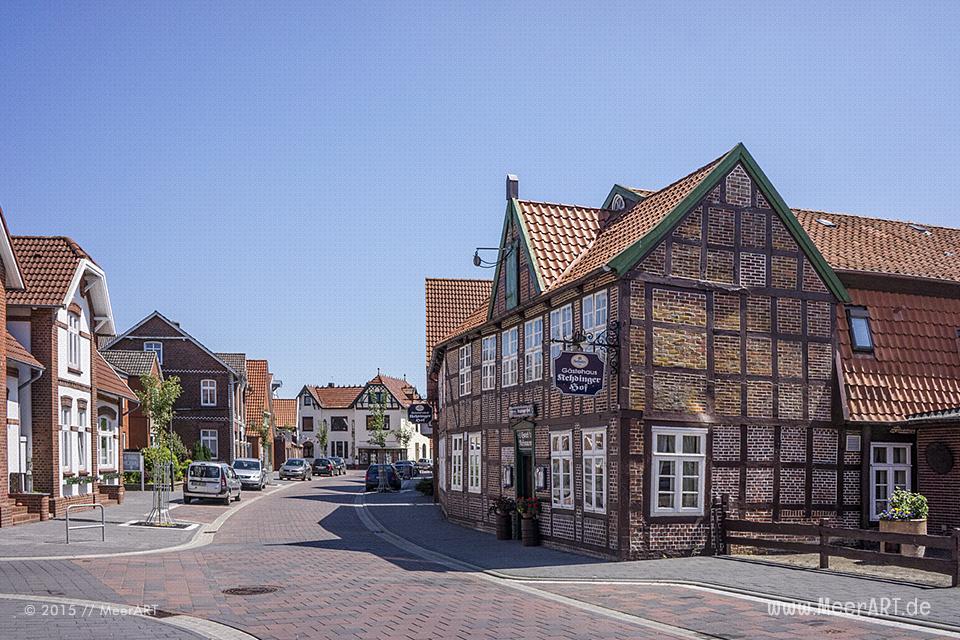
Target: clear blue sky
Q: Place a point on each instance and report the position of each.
(281, 178)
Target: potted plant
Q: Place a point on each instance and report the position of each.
(906, 513)
(529, 510)
(503, 507)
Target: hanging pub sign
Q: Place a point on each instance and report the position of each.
(578, 374)
(420, 413)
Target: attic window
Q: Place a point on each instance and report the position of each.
(827, 223)
(919, 228)
(861, 339)
(618, 204)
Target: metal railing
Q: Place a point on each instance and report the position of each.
(102, 526)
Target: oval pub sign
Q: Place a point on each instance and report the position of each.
(578, 374)
(420, 413)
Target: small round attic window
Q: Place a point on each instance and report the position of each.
(618, 204)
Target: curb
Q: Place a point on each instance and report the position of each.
(745, 594)
(195, 542)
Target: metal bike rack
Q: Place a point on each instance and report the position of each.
(102, 526)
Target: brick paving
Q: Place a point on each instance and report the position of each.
(337, 579)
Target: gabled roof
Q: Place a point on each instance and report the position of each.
(556, 234)
(132, 363)
(448, 302)
(236, 361)
(404, 392)
(258, 377)
(18, 353)
(334, 397)
(108, 381)
(48, 264)
(285, 412)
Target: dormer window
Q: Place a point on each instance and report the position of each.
(861, 339)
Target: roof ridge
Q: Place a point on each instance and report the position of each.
(563, 204)
(865, 217)
(429, 278)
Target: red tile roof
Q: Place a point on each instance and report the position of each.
(405, 393)
(19, 353)
(915, 364)
(48, 264)
(258, 377)
(472, 321)
(285, 412)
(334, 397)
(557, 234)
(107, 379)
(448, 302)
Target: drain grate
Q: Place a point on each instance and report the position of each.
(255, 590)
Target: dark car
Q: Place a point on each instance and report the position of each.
(323, 467)
(339, 465)
(372, 480)
(406, 468)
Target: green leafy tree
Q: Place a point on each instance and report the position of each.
(156, 403)
(378, 431)
(323, 436)
(403, 435)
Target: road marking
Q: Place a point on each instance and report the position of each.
(374, 525)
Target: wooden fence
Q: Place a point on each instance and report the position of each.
(736, 532)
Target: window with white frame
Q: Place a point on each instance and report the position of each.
(456, 462)
(890, 469)
(465, 378)
(82, 436)
(561, 328)
(488, 368)
(595, 470)
(473, 462)
(108, 443)
(595, 317)
(73, 329)
(209, 439)
(208, 393)
(533, 350)
(508, 359)
(66, 436)
(157, 348)
(679, 461)
(561, 469)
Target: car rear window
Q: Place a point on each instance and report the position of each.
(204, 471)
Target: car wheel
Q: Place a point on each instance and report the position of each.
(226, 500)
(237, 499)
(186, 500)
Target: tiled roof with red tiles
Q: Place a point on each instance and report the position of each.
(285, 412)
(107, 379)
(258, 377)
(875, 245)
(334, 397)
(557, 234)
(48, 264)
(448, 302)
(474, 320)
(405, 393)
(18, 353)
(915, 363)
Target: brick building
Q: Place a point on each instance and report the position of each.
(721, 315)
(260, 411)
(131, 366)
(115, 398)
(212, 407)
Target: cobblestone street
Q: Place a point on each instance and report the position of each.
(327, 575)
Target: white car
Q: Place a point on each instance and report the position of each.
(212, 480)
(251, 473)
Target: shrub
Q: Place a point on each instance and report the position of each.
(425, 486)
(200, 452)
(131, 477)
(503, 505)
(905, 505)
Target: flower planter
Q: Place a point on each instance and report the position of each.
(913, 527)
(530, 532)
(504, 526)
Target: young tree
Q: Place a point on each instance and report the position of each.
(403, 435)
(323, 436)
(378, 431)
(156, 403)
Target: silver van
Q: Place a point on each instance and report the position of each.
(213, 480)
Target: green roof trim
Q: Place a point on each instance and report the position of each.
(625, 192)
(513, 211)
(630, 256)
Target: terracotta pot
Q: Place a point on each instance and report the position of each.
(529, 531)
(914, 527)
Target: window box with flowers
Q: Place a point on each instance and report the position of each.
(529, 510)
(906, 513)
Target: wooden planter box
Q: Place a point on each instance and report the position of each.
(912, 527)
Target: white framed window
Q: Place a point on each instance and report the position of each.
(82, 436)
(488, 369)
(533, 350)
(73, 329)
(890, 469)
(595, 470)
(208, 393)
(157, 348)
(66, 437)
(561, 469)
(465, 374)
(561, 328)
(456, 462)
(679, 468)
(595, 318)
(508, 359)
(108, 443)
(209, 439)
(473, 462)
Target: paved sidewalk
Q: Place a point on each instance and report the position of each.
(414, 517)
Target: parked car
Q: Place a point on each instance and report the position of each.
(323, 467)
(372, 480)
(425, 464)
(339, 464)
(251, 473)
(214, 480)
(406, 468)
(296, 469)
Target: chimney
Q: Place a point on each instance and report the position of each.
(513, 187)
(329, 385)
